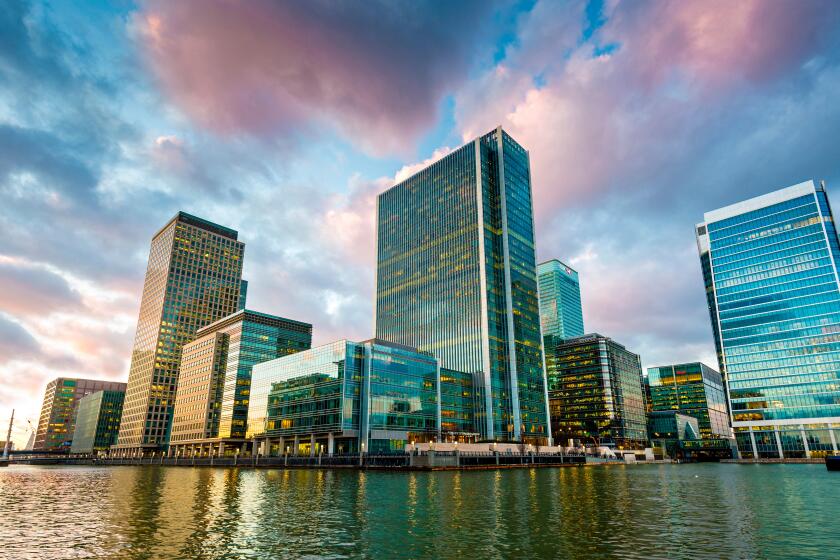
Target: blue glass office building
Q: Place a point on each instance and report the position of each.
(345, 397)
(560, 309)
(770, 270)
(456, 276)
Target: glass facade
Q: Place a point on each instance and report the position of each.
(672, 425)
(243, 294)
(694, 389)
(596, 393)
(58, 411)
(456, 276)
(193, 278)
(456, 406)
(561, 312)
(97, 422)
(346, 394)
(214, 381)
(770, 264)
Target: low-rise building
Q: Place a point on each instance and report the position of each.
(97, 422)
(596, 394)
(694, 389)
(58, 411)
(214, 378)
(679, 436)
(346, 397)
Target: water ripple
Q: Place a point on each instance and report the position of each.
(663, 511)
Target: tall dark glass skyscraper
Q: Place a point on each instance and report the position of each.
(456, 276)
(770, 266)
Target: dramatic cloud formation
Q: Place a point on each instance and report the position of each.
(666, 110)
(376, 69)
(285, 119)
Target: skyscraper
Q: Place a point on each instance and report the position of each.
(58, 411)
(560, 309)
(214, 381)
(193, 279)
(770, 270)
(456, 276)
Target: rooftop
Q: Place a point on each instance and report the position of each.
(201, 223)
(255, 316)
(751, 204)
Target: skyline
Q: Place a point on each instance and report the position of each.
(613, 121)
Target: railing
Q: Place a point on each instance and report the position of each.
(431, 459)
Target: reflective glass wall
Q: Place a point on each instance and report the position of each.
(772, 264)
(560, 308)
(346, 394)
(694, 389)
(456, 276)
(596, 393)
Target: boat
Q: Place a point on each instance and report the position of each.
(832, 462)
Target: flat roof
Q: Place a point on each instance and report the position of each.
(769, 199)
(207, 225)
(556, 264)
(244, 314)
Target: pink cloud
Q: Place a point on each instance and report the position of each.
(598, 120)
(376, 71)
(717, 43)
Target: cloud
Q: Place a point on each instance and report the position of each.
(666, 110)
(375, 70)
(716, 44)
(30, 290)
(15, 341)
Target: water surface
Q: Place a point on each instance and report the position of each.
(643, 511)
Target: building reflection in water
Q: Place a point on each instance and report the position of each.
(681, 511)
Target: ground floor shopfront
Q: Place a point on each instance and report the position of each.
(787, 439)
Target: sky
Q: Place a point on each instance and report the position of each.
(284, 120)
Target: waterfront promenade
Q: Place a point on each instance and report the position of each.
(403, 461)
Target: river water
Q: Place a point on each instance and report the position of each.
(634, 511)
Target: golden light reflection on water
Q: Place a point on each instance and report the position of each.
(684, 511)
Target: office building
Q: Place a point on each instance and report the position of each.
(770, 269)
(456, 276)
(596, 394)
(694, 389)
(457, 422)
(58, 411)
(214, 381)
(193, 279)
(560, 309)
(345, 397)
(671, 427)
(97, 422)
